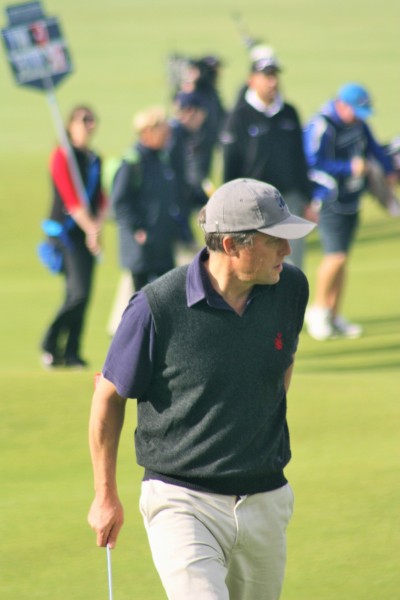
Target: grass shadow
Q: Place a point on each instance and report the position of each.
(375, 350)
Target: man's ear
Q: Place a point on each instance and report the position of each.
(229, 246)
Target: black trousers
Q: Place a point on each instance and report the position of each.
(142, 279)
(63, 337)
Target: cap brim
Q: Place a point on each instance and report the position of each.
(267, 70)
(362, 113)
(291, 228)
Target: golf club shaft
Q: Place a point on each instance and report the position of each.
(110, 591)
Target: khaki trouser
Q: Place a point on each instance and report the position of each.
(216, 547)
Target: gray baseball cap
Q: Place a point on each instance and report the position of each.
(246, 205)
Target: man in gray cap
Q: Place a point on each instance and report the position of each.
(208, 352)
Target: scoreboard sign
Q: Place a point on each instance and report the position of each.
(36, 49)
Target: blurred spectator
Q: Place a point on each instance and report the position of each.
(145, 201)
(262, 139)
(202, 76)
(189, 160)
(340, 147)
(81, 224)
(206, 84)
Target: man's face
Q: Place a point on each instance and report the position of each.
(265, 85)
(81, 128)
(345, 112)
(262, 262)
(192, 118)
(155, 137)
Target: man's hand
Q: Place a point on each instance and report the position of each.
(311, 211)
(93, 242)
(140, 236)
(106, 517)
(358, 166)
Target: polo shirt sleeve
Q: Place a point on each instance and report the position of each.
(60, 173)
(130, 358)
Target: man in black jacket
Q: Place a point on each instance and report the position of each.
(262, 139)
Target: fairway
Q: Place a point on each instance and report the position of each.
(344, 409)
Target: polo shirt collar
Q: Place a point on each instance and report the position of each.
(195, 283)
(198, 285)
(255, 101)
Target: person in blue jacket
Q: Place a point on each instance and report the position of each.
(340, 148)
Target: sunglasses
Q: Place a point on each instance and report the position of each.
(89, 119)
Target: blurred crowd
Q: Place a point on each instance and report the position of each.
(157, 186)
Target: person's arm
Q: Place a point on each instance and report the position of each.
(91, 227)
(232, 143)
(125, 200)
(124, 196)
(288, 376)
(303, 297)
(103, 207)
(60, 173)
(319, 139)
(106, 514)
(376, 150)
(300, 162)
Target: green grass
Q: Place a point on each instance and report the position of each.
(344, 401)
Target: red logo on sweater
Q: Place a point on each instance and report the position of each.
(278, 342)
